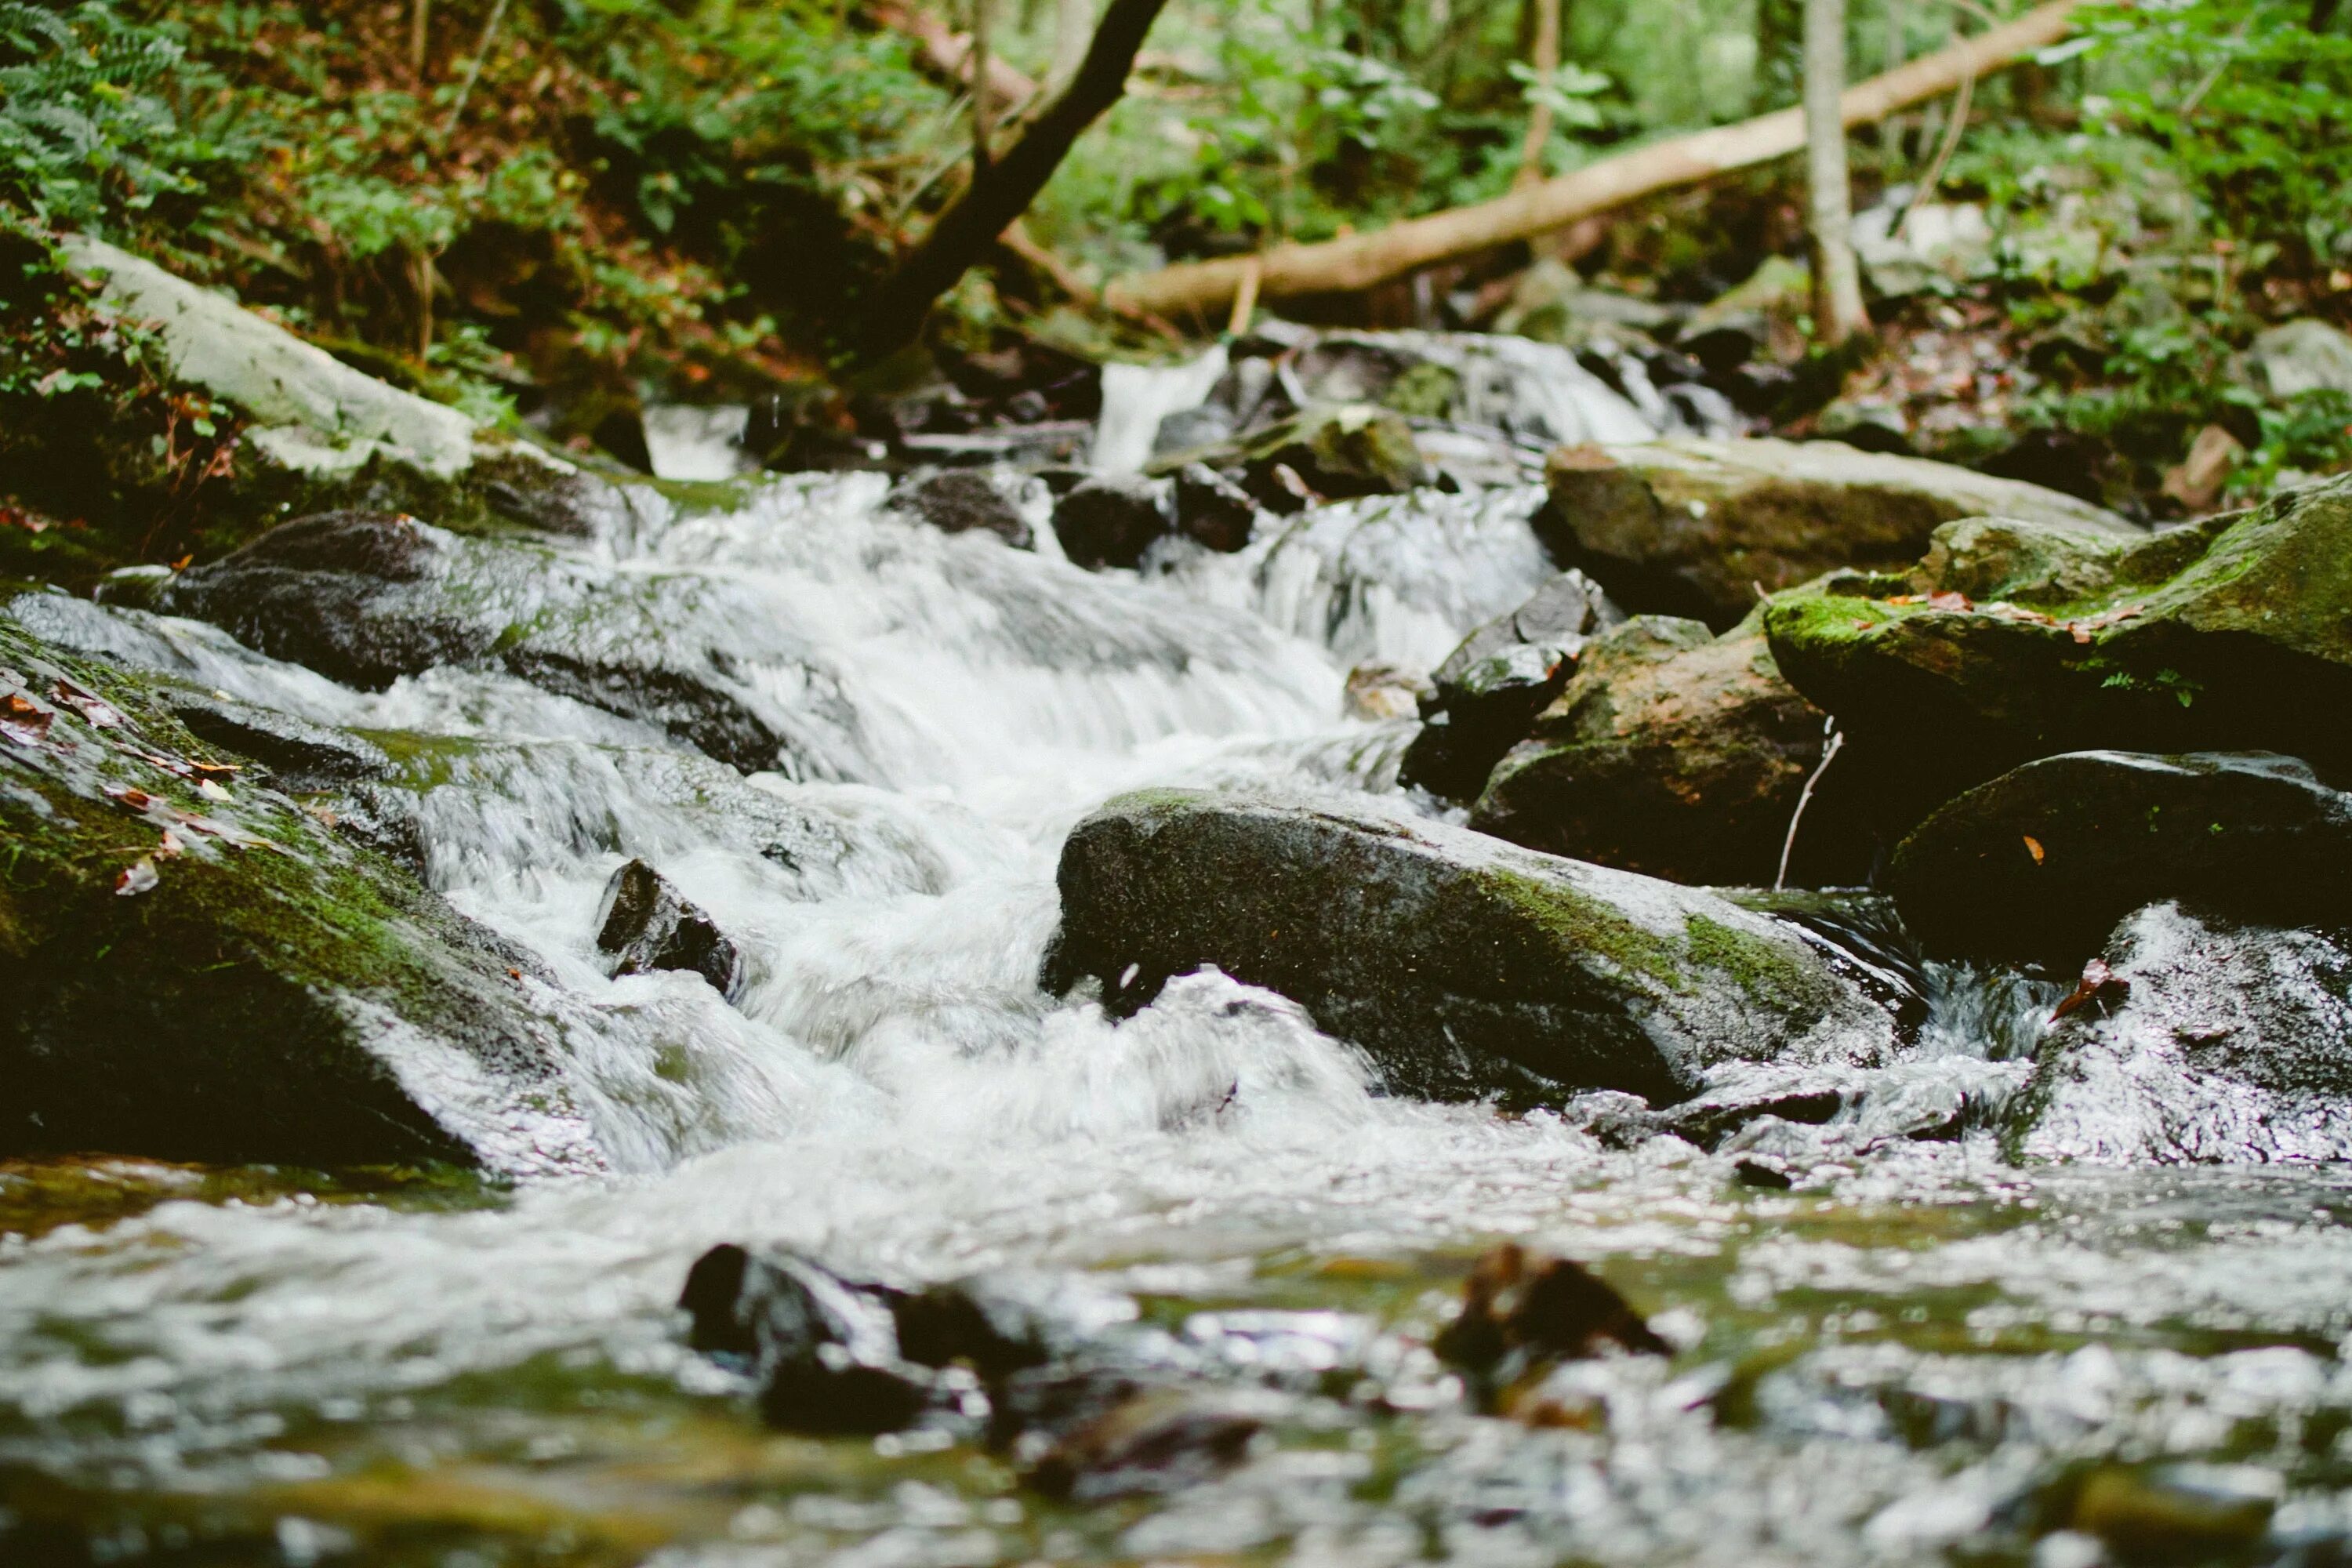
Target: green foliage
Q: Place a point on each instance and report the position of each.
(95, 122)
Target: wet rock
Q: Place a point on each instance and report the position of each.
(2041, 863)
(643, 923)
(1696, 528)
(1523, 1313)
(1213, 510)
(824, 1350)
(1109, 521)
(1491, 688)
(1355, 450)
(1906, 248)
(2306, 356)
(2209, 1042)
(200, 969)
(368, 597)
(2009, 642)
(1676, 753)
(301, 756)
(958, 501)
(1156, 1442)
(1461, 964)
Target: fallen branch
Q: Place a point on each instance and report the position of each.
(1360, 262)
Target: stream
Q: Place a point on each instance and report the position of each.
(1930, 1355)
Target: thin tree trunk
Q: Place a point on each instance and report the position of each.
(1543, 54)
(1004, 191)
(981, 122)
(1362, 261)
(420, 12)
(1837, 278)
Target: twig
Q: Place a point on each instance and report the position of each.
(1829, 752)
(1953, 128)
(474, 67)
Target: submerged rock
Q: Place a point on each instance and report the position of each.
(1109, 521)
(2040, 864)
(2009, 642)
(959, 500)
(1696, 528)
(1461, 964)
(1489, 688)
(1338, 452)
(1153, 1442)
(826, 1350)
(368, 597)
(643, 923)
(1676, 753)
(1534, 1307)
(200, 969)
(2202, 1041)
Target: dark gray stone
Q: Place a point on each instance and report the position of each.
(1461, 964)
(958, 500)
(1489, 689)
(2041, 863)
(643, 923)
(1109, 521)
(1213, 510)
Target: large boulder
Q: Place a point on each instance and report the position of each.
(200, 969)
(2202, 1041)
(368, 597)
(2041, 863)
(1690, 526)
(1461, 964)
(1491, 688)
(1676, 753)
(2009, 642)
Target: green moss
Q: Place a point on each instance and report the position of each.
(1590, 926)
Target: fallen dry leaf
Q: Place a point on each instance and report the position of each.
(2097, 981)
(96, 709)
(130, 799)
(212, 791)
(2033, 847)
(171, 848)
(135, 879)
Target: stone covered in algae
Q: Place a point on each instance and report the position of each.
(200, 969)
(1462, 966)
(2007, 643)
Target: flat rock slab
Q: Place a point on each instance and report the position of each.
(1461, 964)
(1691, 527)
(2041, 863)
(2211, 1043)
(367, 597)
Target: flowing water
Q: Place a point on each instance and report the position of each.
(1922, 1354)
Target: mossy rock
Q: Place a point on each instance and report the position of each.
(201, 969)
(368, 597)
(1462, 966)
(2235, 634)
(1681, 754)
(1695, 528)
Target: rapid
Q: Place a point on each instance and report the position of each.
(1933, 1349)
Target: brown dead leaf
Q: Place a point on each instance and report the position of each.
(2033, 847)
(212, 791)
(135, 879)
(171, 848)
(130, 799)
(2098, 982)
(100, 713)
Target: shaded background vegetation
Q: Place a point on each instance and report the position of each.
(560, 207)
